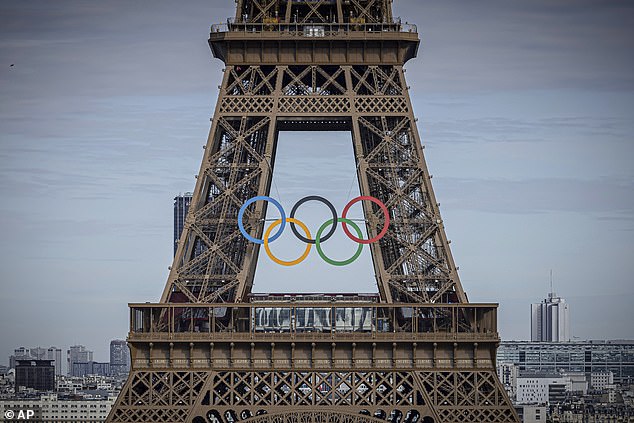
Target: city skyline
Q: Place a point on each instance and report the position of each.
(64, 356)
(107, 107)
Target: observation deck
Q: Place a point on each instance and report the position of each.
(329, 333)
(295, 43)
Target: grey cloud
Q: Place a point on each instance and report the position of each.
(601, 198)
(105, 112)
(495, 44)
(500, 129)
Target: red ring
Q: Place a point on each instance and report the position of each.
(385, 214)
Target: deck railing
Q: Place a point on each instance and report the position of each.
(312, 30)
(312, 320)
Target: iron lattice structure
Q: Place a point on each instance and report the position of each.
(209, 352)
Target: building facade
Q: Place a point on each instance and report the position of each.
(602, 381)
(35, 374)
(55, 354)
(181, 207)
(508, 373)
(119, 357)
(91, 368)
(21, 353)
(77, 354)
(550, 320)
(532, 413)
(542, 389)
(50, 409)
(571, 357)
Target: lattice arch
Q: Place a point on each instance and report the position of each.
(412, 262)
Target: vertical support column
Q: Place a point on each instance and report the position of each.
(239, 8)
(289, 8)
(211, 354)
(252, 358)
(339, 12)
(184, 248)
(394, 359)
(264, 188)
(377, 256)
(440, 236)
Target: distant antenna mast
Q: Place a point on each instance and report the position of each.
(551, 281)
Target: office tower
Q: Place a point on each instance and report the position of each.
(55, 354)
(19, 353)
(38, 353)
(181, 207)
(22, 352)
(77, 354)
(550, 320)
(35, 374)
(119, 357)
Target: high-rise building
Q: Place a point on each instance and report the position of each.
(119, 357)
(55, 354)
(181, 207)
(77, 354)
(35, 374)
(550, 321)
(38, 353)
(21, 353)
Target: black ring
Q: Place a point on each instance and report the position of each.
(332, 210)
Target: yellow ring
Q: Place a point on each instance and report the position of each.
(268, 250)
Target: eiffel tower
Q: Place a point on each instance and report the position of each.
(210, 350)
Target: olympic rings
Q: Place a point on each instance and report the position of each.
(329, 260)
(267, 239)
(386, 215)
(332, 210)
(253, 200)
(268, 250)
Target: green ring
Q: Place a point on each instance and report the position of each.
(335, 262)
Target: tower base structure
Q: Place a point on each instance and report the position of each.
(336, 360)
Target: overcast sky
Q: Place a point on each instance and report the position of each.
(525, 108)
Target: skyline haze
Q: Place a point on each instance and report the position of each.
(525, 109)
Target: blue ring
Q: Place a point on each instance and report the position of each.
(253, 200)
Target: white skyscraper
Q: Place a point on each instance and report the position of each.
(54, 353)
(550, 321)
